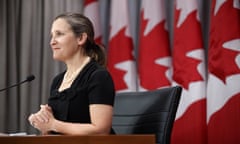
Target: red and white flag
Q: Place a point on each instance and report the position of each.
(154, 51)
(121, 61)
(189, 71)
(223, 91)
(91, 10)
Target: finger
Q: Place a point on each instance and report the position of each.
(49, 108)
(43, 107)
(46, 115)
(32, 123)
(41, 118)
(46, 107)
(31, 119)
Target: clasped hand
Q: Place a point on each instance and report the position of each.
(43, 119)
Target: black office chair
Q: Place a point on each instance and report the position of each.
(149, 112)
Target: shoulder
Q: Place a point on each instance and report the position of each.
(96, 69)
(99, 72)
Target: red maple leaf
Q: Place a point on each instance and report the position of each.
(225, 26)
(153, 46)
(120, 49)
(187, 38)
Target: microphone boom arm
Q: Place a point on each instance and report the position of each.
(28, 79)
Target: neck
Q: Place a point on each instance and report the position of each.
(73, 69)
(74, 66)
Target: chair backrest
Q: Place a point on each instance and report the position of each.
(149, 112)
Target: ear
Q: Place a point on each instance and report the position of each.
(82, 39)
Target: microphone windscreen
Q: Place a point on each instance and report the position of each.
(30, 78)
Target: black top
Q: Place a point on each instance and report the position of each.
(93, 85)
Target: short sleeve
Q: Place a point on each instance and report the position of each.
(101, 88)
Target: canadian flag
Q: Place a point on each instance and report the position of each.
(91, 10)
(121, 61)
(189, 71)
(223, 91)
(154, 51)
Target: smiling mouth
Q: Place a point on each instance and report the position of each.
(55, 48)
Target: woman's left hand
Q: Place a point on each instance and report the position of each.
(43, 119)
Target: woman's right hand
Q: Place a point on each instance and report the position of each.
(40, 118)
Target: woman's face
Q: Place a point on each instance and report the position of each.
(63, 42)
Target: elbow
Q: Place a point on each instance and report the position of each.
(103, 131)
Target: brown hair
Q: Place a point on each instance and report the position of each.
(81, 24)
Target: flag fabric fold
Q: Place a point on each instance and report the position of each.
(223, 91)
(189, 71)
(91, 10)
(121, 59)
(154, 50)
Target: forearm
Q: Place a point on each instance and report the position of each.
(68, 128)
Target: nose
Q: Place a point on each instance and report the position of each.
(52, 41)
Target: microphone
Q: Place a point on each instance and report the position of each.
(28, 79)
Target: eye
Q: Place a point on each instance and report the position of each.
(56, 34)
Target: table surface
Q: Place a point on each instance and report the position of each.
(93, 139)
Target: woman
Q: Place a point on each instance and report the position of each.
(82, 97)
